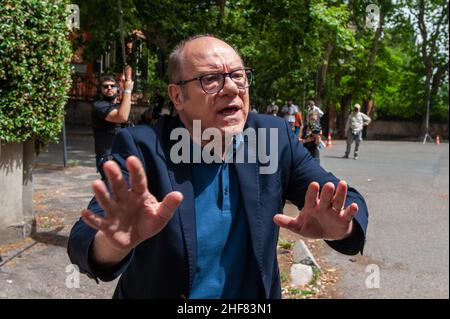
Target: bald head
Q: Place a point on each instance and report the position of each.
(191, 49)
(207, 57)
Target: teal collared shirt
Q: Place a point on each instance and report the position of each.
(224, 254)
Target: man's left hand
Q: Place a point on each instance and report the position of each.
(322, 218)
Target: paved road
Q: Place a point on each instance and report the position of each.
(406, 186)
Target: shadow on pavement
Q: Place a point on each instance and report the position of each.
(51, 237)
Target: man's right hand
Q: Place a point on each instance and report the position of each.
(132, 215)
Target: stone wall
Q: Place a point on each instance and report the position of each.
(79, 113)
(403, 130)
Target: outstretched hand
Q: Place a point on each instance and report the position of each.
(132, 214)
(322, 218)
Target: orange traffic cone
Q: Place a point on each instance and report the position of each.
(329, 143)
(438, 140)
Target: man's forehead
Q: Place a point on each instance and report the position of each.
(210, 52)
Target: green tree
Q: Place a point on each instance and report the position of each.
(298, 48)
(431, 21)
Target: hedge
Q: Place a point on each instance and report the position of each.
(35, 70)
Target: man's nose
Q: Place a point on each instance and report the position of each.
(229, 87)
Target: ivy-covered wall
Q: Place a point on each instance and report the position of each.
(35, 71)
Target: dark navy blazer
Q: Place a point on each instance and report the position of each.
(164, 265)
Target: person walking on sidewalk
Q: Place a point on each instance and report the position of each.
(353, 129)
(108, 116)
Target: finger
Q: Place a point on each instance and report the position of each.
(128, 72)
(138, 179)
(312, 195)
(169, 204)
(116, 179)
(293, 224)
(339, 196)
(93, 220)
(326, 196)
(103, 197)
(350, 212)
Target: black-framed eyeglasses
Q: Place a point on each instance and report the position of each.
(107, 86)
(213, 82)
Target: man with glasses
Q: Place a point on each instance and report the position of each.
(198, 229)
(108, 116)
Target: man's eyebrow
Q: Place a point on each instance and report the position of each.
(219, 71)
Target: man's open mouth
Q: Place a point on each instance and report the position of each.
(229, 110)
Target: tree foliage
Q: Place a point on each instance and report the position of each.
(298, 48)
(35, 69)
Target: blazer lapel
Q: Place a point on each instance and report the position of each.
(181, 179)
(248, 176)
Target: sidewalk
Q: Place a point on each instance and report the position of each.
(36, 267)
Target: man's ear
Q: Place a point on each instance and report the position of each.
(176, 95)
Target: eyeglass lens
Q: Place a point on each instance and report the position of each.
(213, 83)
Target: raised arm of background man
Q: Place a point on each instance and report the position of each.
(121, 114)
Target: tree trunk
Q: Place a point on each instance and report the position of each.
(371, 104)
(221, 5)
(436, 82)
(332, 111)
(368, 105)
(320, 89)
(332, 118)
(345, 103)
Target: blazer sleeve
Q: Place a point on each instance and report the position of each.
(82, 236)
(304, 170)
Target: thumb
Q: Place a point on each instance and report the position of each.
(288, 222)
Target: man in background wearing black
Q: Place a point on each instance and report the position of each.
(108, 115)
